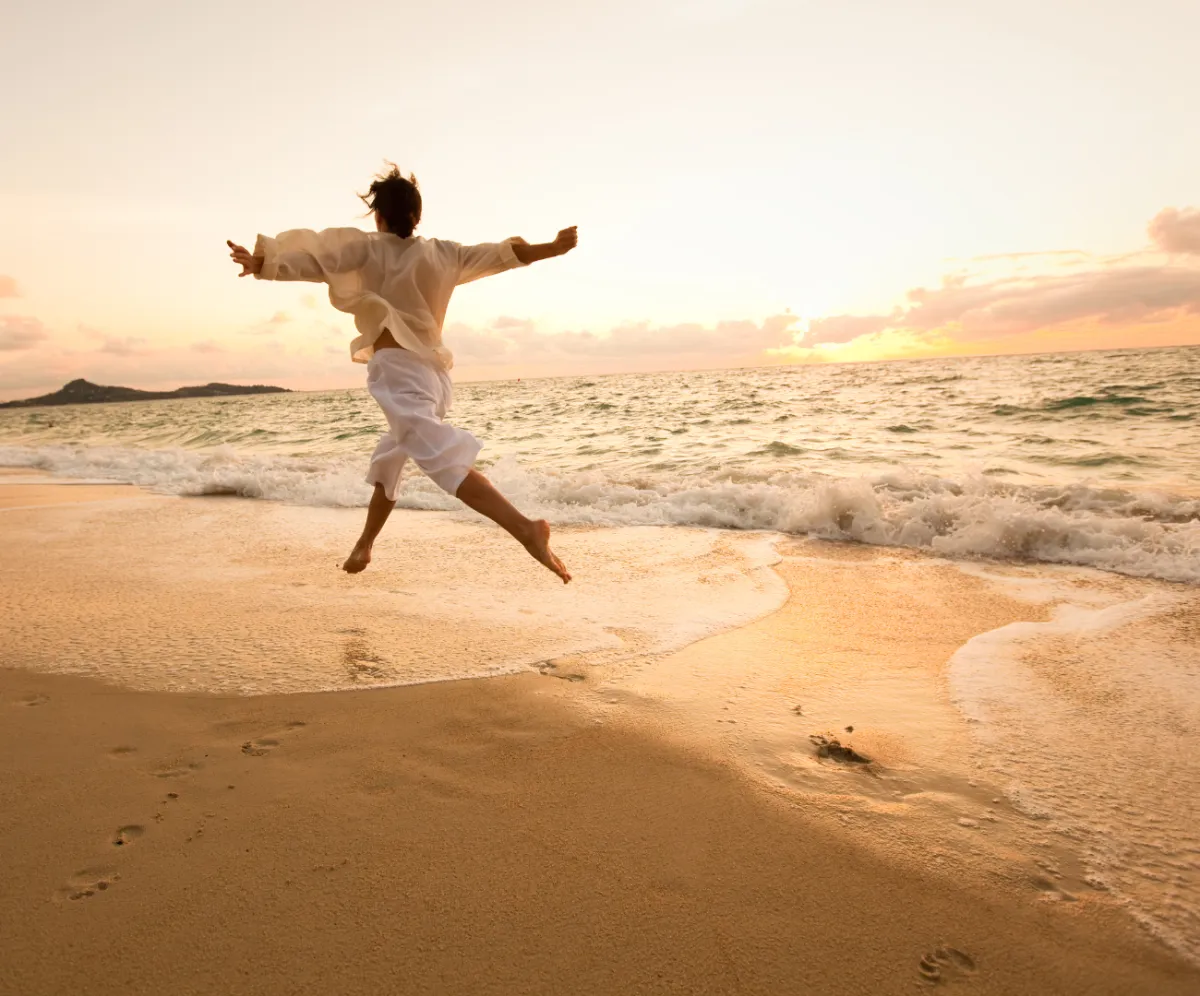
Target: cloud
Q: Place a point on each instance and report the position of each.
(129, 346)
(1049, 253)
(1123, 290)
(506, 322)
(17, 332)
(8, 287)
(844, 328)
(207, 346)
(1177, 231)
(472, 345)
(270, 326)
(686, 343)
(1013, 306)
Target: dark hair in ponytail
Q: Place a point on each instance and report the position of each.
(398, 200)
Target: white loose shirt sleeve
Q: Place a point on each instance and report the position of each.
(301, 254)
(485, 260)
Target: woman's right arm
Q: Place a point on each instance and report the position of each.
(251, 265)
(301, 254)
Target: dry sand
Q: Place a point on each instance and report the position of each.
(482, 836)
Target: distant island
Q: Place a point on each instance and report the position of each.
(84, 392)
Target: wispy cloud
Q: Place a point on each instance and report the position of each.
(507, 322)
(1125, 290)
(843, 328)
(1176, 231)
(129, 345)
(510, 339)
(1011, 307)
(18, 332)
(8, 287)
(270, 326)
(1044, 253)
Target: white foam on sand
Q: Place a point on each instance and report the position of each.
(1090, 722)
(220, 595)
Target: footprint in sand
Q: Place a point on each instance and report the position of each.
(946, 965)
(259, 747)
(122, 751)
(127, 834)
(361, 662)
(34, 699)
(88, 882)
(264, 745)
(550, 669)
(177, 770)
(1050, 891)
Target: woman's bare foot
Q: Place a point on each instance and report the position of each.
(359, 557)
(477, 492)
(537, 542)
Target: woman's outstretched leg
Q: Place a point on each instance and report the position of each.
(377, 514)
(477, 492)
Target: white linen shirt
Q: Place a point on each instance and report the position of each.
(384, 281)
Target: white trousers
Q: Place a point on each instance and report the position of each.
(415, 397)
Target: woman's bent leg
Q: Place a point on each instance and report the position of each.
(477, 492)
(377, 514)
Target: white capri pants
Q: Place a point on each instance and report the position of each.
(415, 397)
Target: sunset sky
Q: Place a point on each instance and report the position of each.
(755, 181)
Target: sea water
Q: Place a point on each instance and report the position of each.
(1082, 458)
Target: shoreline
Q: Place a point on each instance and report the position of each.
(520, 834)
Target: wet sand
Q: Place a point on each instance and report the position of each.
(515, 834)
(24, 489)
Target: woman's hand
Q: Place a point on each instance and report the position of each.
(566, 240)
(241, 255)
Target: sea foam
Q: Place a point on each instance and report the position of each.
(1140, 533)
(1089, 719)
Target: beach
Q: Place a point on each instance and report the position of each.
(615, 792)
(840, 361)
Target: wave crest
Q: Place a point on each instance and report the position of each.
(1142, 533)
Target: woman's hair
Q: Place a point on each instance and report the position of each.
(398, 200)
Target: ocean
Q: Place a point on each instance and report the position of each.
(1087, 458)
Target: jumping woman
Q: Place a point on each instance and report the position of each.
(397, 286)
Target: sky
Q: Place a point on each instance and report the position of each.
(754, 181)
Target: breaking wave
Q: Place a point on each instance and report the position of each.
(1141, 533)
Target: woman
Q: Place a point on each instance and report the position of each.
(398, 286)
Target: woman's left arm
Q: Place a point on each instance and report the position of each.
(489, 258)
(563, 243)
